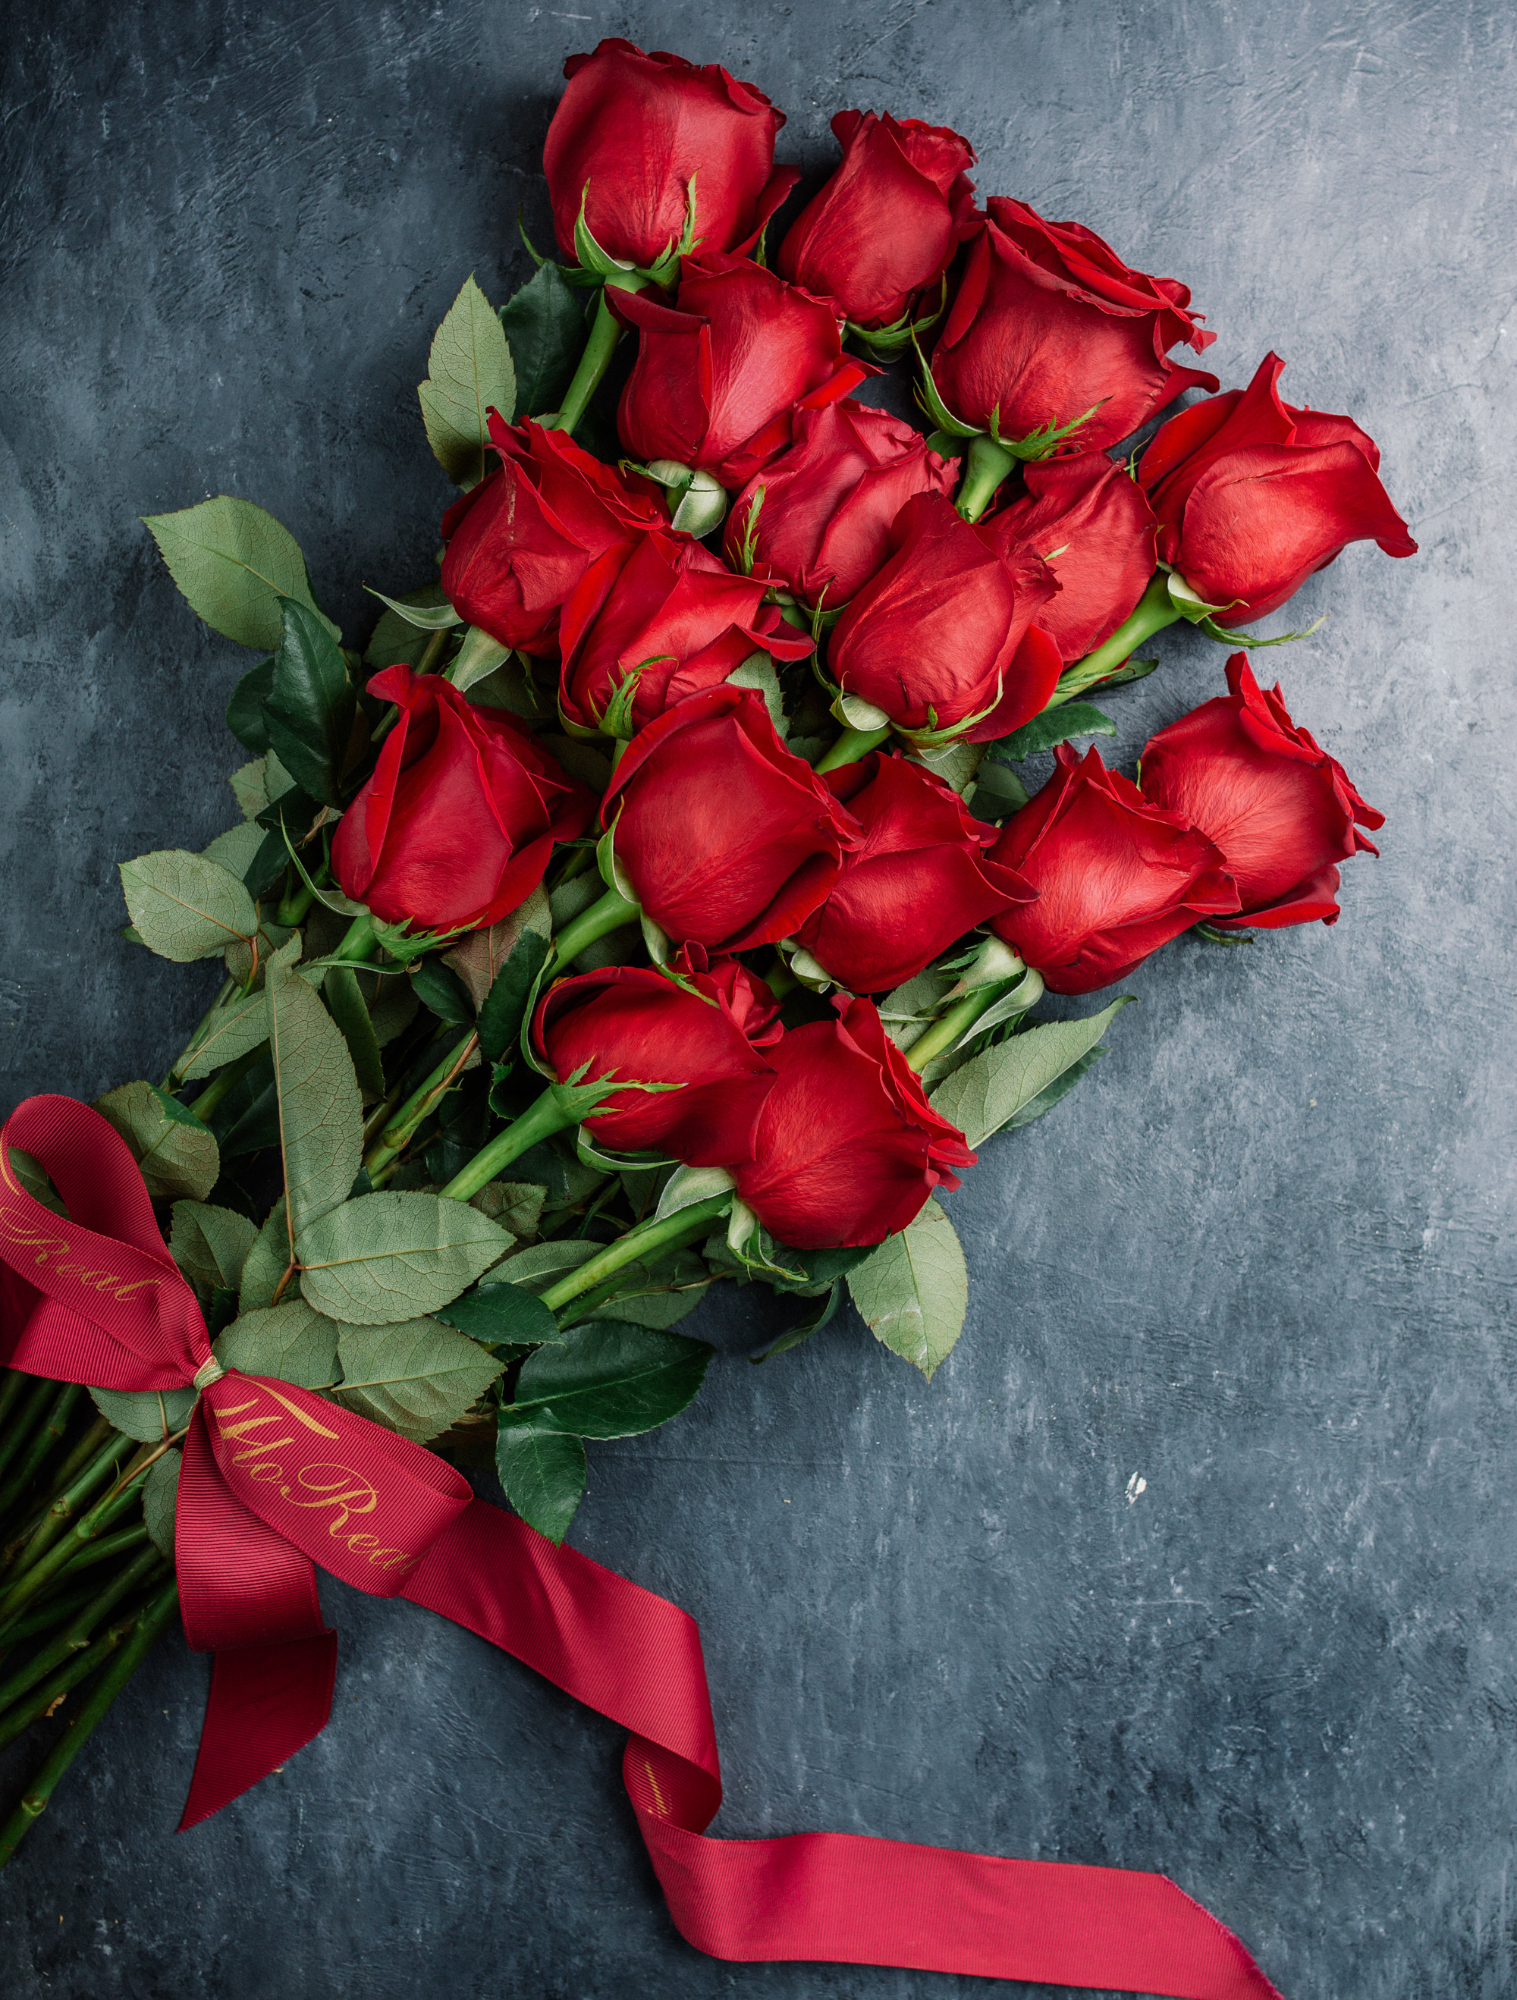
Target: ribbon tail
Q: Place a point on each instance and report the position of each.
(266, 1702)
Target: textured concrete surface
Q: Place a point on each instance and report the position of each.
(1199, 1552)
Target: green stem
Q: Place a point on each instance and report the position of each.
(986, 467)
(152, 1621)
(93, 1524)
(105, 1549)
(53, 1611)
(19, 1719)
(851, 745)
(296, 901)
(77, 1636)
(15, 1381)
(608, 913)
(780, 979)
(358, 941)
(432, 652)
(205, 1105)
(32, 1459)
(596, 359)
(1154, 610)
(32, 1412)
(99, 1432)
(944, 1033)
(66, 1506)
(646, 1242)
(384, 1155)
(541, 1118)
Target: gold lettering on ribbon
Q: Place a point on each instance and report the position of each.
(57, 1254)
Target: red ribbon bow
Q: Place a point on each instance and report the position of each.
(276, 1480)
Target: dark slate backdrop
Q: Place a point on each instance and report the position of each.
(1198, 1555)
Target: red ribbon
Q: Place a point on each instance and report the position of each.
(276, 1480)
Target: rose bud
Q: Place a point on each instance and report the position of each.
(818, 518)
(1051, 332)
(701, 1029)
(726, 839)
(919, 880)
(1091, 524)
(523, 538)
(661, 620)
(454, 829)
(1252, 496)
(718, 379)
(637, 139)
(888, 222)
(943, 636)
(1280, 811)
(1116, 877)
(848, 1148)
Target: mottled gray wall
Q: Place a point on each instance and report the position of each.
(1261, 1261)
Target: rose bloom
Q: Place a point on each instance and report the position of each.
(702, 1029)
(919, 879)
(886, 225)
(670, 617)
(635, 130)
(848, 1148)
(945, 630)
(1281, 812)
(524, 537)
(1116, 876)
(1049, 322)
(726, 838)
(1252, 496)
(1091, 524)
(719, 376)
(822, 525)
(454, 829)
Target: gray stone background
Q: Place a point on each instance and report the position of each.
(1198, 1555)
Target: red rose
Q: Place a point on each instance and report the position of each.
(702, 1029)
(848, 1147)
(944, 631)
(1252, 496)
(1093, 527)
(636, 130)
(888, 222)
(718, 378)
(454, 829)
(672, 619)
(523, 538)
(1049, 322)
(1115, 876)
(1278, 808)
(726, 838)
(822, 526)
(919, 879)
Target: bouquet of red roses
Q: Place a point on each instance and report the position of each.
(655, 900)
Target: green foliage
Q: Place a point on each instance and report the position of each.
(234, 562)
(311, 706)
(244, 712)
(210, 1244)
(320, 1117)
(357, 1030)
(1053, 726)
(913, 1290)
(468, 370)
(437, 986)
(184, 907)
(267, 1263)
(814, 1321)
(160, 1496)
(610, 1379)
(289, 1341)
(396, 639)
(999, 1086)
(417, 1377)
(176, 1153)
(234, 1030)
(502, 1315)
(544, 324)
(148, 1415)
(505, 1006)
(542, 1472)
(385, 1258)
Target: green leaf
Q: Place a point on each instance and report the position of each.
(997, 791)
(1035, 1107)
(234, 562)
(244, 712)
(289, 1341)
(813, 1323)
(418, 1377)
(661, 1308)
(250, 853)
(542, 1473)
(185, 907)
(477, 658)
(437, 986)
(758, 672)
(388, 1257)
(1130, 670)
(515, 1205)
(688, 1185)
(320, 1117)
(249, 785)
(468, 370)
(33, 1177)
(438, 616)
(544, 323)
(913, 1290)
(148, 1415)
(396, 639)
(1054, 725)
(210, 1245)
(357, 1030)
(312, 704)
(267, 1262)
(160, 1498)
(820, 1267)
(233, 1031)
(502, 1313)
(505, 1005)
(611, 1379)
(540, 1264)
(176, 1153)
(991, 1088)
